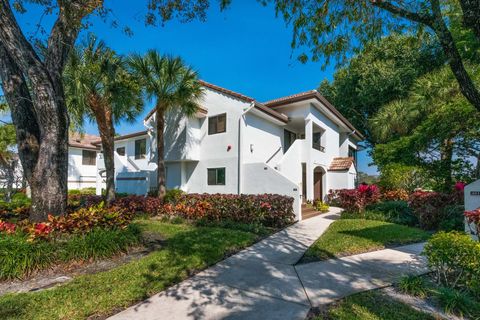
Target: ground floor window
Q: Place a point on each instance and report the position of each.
(216, 176)
(89, 158)
(121, 151)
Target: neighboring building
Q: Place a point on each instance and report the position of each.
(298, 145)
(82, 161)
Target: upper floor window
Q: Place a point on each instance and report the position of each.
(216, 176)
(217, 124)
(121, 151)
(317, 141)
(89, 158)
(140, 149)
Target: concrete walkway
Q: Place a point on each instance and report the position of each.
(261, 282)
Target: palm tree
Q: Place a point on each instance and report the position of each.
(99, 87)
(173, 85)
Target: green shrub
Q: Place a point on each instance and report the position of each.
(173, 195)
(455, 260)
(458, 302)
(398, 176)
(83, 191)
(453, 218)
(414, 286)
(391, 211)
(19, 256)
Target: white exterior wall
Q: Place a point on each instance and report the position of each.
(251, 151)
(262, 140)
(80, 176)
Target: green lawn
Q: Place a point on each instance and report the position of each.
(351, 236)
(372, 305)
(187, 249)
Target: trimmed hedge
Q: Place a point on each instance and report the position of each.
(270, 210)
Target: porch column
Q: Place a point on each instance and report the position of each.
(308, 155)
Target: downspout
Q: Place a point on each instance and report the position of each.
(240, 146)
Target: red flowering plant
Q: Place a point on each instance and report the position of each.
(473, 218)
(354, 200)
(7, 227)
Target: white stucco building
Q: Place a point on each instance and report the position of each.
(298, 145)
(82, 161)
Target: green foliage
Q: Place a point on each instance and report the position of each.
(413, 285)
(372, 305)
(458, 302)
(186, 250)
(97, 83)
(453, 218)
(382, 72)
(399, 176)
(173, 195)
(389, 211)
(438, 130)
(84, 191)
(455, 259)
(19, 256)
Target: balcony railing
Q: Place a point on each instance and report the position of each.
(317, 146)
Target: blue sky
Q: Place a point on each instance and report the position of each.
(244, 48)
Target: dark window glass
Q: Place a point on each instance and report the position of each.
(216, 176)
(288, 139)
(217, 124)
(121, 151)
(352, 153)
(89, 158)
(140, 148)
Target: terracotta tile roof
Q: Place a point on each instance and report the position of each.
(226, 91)
(123, 137)
(313, 94)
(293, 96)
(341, 164)
(84, 141)
(244, 98)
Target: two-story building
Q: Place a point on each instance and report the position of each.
(298, 145)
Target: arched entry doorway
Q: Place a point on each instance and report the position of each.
(318, 183)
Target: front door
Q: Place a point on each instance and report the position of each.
(317, 186)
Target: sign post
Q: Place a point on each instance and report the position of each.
(472, 202)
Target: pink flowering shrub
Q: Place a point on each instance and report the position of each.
(354, 200)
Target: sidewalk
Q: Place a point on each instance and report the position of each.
(262, 282)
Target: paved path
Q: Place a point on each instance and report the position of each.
(261, 282)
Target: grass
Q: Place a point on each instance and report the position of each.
(351, 236)
(372, 305)
(20, 257)
(187, 249)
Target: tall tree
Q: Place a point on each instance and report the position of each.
(99, 87)
(381, 72)
(174, 86)
(32, 84)
(331, 29)
(435, 128)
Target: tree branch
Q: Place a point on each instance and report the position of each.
(471, 14)
(14, 40)
(404, 13)
(23, 114)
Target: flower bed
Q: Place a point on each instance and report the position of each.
(268, 209)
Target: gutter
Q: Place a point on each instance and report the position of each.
(240, 146)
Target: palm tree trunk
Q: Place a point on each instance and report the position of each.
(162, 190)
(104, 118)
